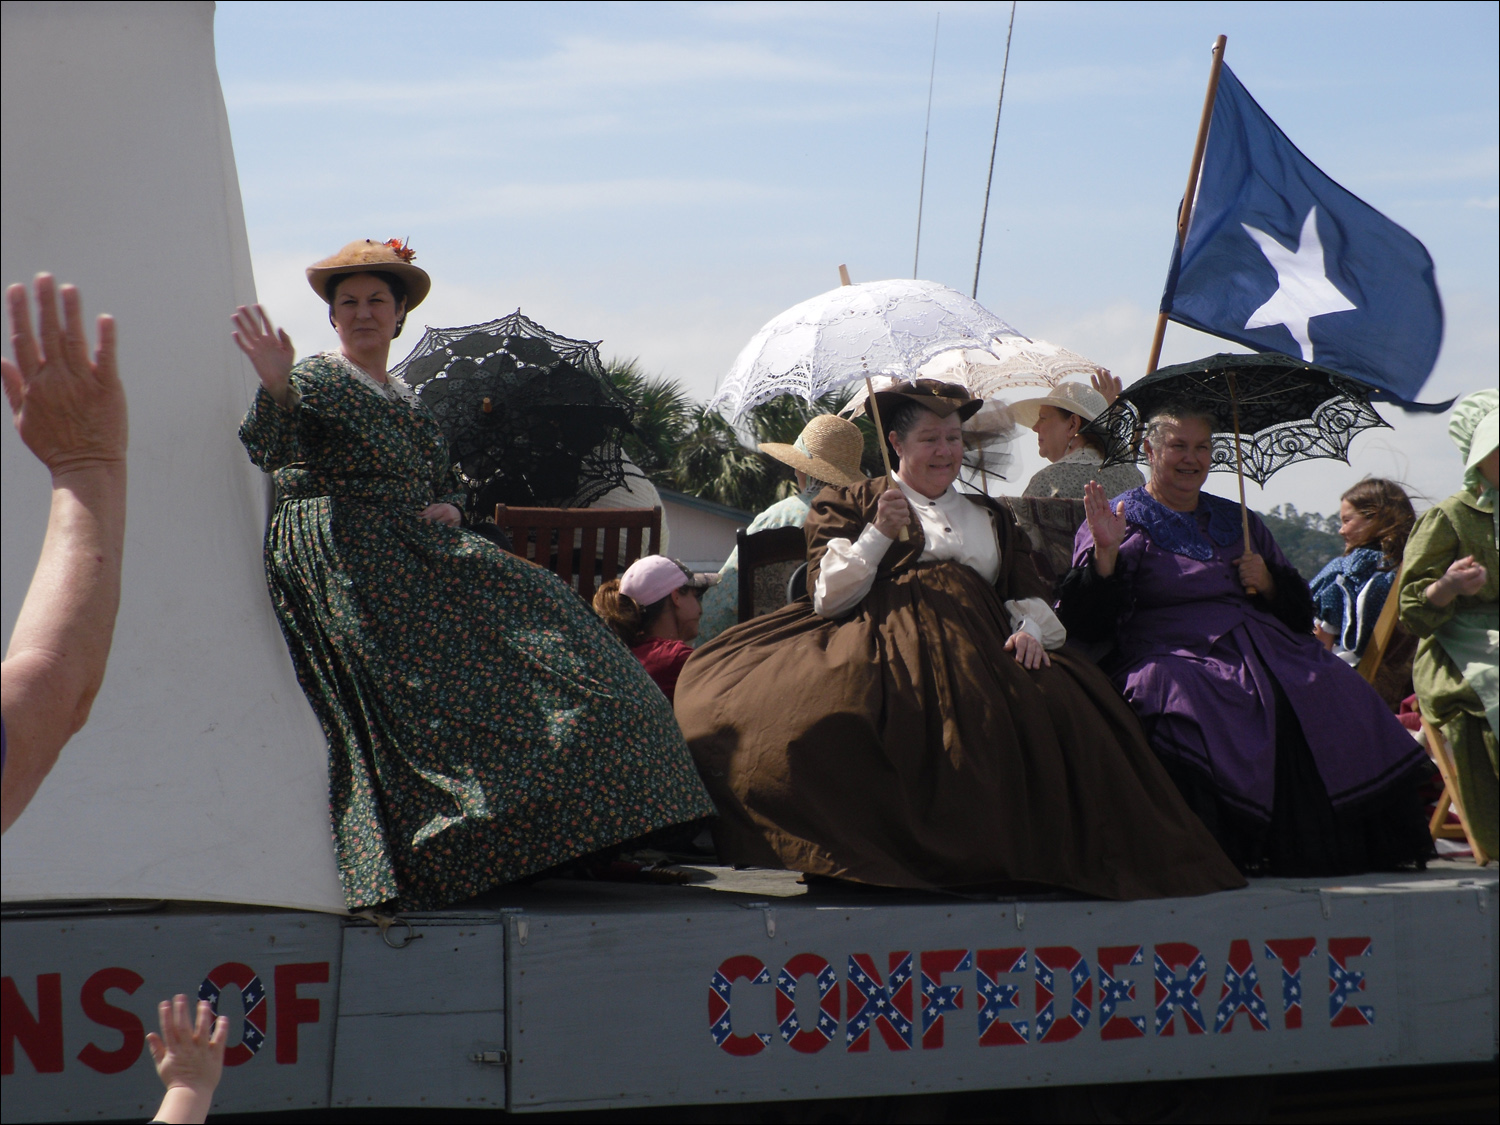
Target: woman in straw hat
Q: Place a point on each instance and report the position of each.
(482, 724)
(1449, 581)
(826, 452)
(918, 722)
(1057, 418)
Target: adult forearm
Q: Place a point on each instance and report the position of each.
(55, 662)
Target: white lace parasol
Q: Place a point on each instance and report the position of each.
(877, 328)
(1005, 370)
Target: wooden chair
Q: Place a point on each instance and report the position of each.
(1437, 746)
(567, 540)
(775, 545)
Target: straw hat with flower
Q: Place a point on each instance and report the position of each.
(828, 449)
(368, 256)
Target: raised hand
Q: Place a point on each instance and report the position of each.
(268, 348)
(1108, 527)
(69, 409)
(189, 1057)
(892, 513)
(1107, 385)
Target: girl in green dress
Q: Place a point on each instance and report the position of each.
(1448, 598)
(482, 724)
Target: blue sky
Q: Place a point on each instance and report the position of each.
(667, 177)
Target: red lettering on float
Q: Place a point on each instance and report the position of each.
(827, 1026)
(1290, 952)
(937, 997)
(720, 988)
(1180, 972)
(1062, 968)
(996, 998)
(885, 1005)
(293, 1010)
(1344, 982)
(1115, 989)
(92, 1000)
(40, 1035)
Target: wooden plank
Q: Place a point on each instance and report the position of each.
(1403, 1014)
(119, 966)
(433, 1005)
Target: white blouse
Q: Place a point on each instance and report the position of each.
(953, 530)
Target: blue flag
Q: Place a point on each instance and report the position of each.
(1282, 259)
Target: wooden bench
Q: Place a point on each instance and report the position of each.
(582, 546)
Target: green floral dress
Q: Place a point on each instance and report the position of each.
(482, 723)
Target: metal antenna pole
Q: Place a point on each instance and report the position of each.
(994, 143)
(926, 130)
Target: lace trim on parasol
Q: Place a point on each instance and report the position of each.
(1179, 532)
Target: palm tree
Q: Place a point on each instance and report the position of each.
(663, 412)
(680, 444)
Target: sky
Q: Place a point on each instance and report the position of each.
(665, 178)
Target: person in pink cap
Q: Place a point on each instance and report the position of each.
(655, 607)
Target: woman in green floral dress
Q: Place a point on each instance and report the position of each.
(482, 724)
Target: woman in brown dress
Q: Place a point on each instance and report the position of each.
(915, 722)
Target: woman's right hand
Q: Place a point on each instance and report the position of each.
(1464, 577)
(1107, 527)
(269, 349)
(892, 513)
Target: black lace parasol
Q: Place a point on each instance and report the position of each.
(1288, 411)
(530, 416)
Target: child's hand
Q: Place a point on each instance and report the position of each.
(189, 1059)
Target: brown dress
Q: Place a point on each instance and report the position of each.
(902, 746)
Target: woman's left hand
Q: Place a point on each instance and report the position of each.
(445, 514)
(1029, 651)
(1255, 575)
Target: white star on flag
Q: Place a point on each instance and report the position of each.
(1303, 290)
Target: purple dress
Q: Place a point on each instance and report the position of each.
(1222, 682)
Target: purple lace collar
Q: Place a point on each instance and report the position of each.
(1178, 532)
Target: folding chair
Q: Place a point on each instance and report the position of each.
(567, 540)
(776, 545)
(1437, 746)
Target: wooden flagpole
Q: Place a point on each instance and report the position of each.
(885, 455)
(1185, 212)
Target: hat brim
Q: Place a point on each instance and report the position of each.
(1485, 440)
(887, 401)
(1028, 410)
(418, 284)
(825, 471)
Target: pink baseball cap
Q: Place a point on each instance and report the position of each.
(652, 578)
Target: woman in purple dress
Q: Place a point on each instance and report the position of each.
(1288, 756)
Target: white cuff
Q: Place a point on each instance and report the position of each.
(1035, 616)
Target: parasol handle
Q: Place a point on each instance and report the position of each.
(1239, 471)
(885, 456)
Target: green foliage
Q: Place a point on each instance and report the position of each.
(663, 412)
(682, 445)
(1307, 539)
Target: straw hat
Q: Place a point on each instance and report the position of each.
(1075, 398)
(828, 448)
(937, 396)
(368, 256)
